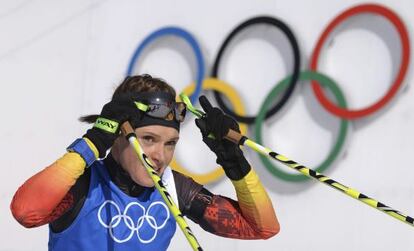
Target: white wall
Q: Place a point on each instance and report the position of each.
(62, 59)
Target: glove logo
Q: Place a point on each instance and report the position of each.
(106, 125)
(122, 221)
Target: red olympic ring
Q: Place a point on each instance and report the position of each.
(396, 21)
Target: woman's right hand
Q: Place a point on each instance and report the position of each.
(107, 126)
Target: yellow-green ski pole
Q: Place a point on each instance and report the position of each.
(129, 134)
(243, 140)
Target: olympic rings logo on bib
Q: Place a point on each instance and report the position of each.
(285, 87)
(122, 220)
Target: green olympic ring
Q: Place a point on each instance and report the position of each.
(326, 82)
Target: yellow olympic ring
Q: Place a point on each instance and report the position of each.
(230, 92)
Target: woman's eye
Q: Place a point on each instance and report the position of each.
(148, 139)
(171, 143)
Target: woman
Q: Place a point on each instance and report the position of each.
(94, 200)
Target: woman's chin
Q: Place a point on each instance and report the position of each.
(146, 183)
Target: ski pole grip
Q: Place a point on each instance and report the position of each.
(234, 136)
(127, 130)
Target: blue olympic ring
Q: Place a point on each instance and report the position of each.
(179, 32)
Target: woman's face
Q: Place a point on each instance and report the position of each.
(158, 143)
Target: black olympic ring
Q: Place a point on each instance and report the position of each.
(296, 67)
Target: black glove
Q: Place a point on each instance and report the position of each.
(229, 155)
(118, 110)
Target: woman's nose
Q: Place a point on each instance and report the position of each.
(157, 154)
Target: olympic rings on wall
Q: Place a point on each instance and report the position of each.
(287, 85)
(231, 94)
(296, 67)
(405, 58)
(175, 31)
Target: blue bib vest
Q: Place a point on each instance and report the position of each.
(112, 220)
